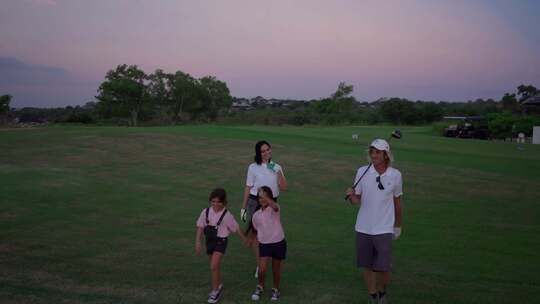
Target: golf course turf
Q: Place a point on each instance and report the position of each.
(107, 215)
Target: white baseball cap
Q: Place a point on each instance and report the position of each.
(380, 144)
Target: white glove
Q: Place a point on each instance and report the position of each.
(243, 215)
(397, 232)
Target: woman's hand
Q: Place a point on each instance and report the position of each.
(282, 182)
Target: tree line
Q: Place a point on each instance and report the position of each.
(504, 118)
(130, 96)
(165, 97)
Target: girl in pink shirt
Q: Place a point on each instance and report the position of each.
(266, 221)
(216, 223)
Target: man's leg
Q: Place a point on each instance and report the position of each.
(364, 259)
(369, 279)
(383, 263)
(383, 279)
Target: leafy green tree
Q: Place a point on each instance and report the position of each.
(399, 111)
(510, 103)
(429, 112)
(125, 87)
(183, 95)
(158, 86)
(526, 124)
(340, 101)
(215, 95)
(4, 108)
(500, 124)
(343, 91)
(4, 103)
(160, 93)
(526, 91)
(179, 96)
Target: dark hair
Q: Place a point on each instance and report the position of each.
(220, 194)
(258, 146)
(267, 190)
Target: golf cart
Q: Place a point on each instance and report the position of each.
(468, 127)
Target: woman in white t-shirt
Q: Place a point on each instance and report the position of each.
(262, 172)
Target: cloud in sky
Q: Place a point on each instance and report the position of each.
(38, 85)
(15, 72)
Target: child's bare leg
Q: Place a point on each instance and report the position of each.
(263, 263)
(215, 265)
(255, 247)
(276, 272)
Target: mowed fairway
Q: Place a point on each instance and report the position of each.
(107, 215)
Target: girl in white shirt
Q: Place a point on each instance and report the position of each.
(262, 172)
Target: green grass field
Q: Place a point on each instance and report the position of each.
(107, 215)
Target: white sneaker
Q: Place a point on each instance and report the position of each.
(256, 296)
(256, 272)
(275, 294)
(382, 299)
(214, 295)
(219, 288)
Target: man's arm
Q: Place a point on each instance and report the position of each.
(354, 198)
(397, 211)
(398, 217)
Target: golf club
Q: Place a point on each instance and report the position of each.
(395, 134)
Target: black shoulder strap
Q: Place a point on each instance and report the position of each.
(221, 218)
(207, 222)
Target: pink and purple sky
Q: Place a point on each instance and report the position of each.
(56, 52)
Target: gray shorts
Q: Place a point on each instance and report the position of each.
(374, 251)
(251, 206)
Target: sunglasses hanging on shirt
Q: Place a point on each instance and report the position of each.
(380, 185)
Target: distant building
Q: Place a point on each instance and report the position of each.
(241, 104)
(531, 104)
(245, 104)
(258, 99)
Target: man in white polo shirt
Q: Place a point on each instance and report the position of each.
(378, 192)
